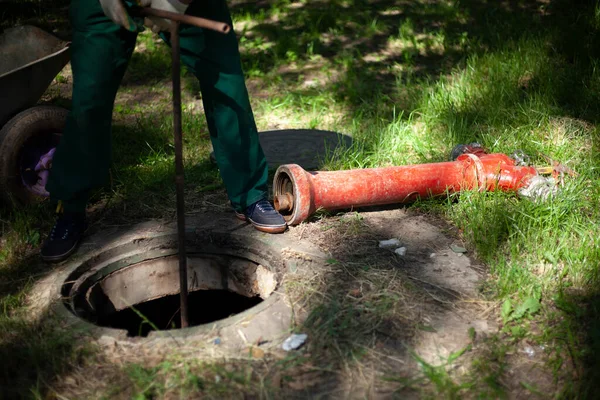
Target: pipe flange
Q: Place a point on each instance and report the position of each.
(292, 185)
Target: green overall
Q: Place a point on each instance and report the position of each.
(100, 52)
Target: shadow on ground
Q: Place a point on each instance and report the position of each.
(579, 324)
(34, 354)
(357, 28)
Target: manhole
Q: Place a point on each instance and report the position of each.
(308, 148)
(236, 277)
(144, 296)
(163, 313)
(137, 291)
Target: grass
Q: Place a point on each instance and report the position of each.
(220, 382)
(408, 80)
(37, 353)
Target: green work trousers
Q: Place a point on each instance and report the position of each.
(100, 52)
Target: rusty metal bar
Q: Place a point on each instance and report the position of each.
(221, 27)
(186, 19)
(179, 182)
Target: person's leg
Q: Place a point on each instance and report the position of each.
(100, 51)
(215, 60)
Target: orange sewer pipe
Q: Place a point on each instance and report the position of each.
(299, 193)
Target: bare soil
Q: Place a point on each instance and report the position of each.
(440, 310)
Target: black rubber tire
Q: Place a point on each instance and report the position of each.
(33, 124)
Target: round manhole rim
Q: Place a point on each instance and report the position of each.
(164, 242)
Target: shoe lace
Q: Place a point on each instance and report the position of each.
(61, 228)
(265, 207)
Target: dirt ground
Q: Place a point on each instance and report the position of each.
(379, 324)
(442, 317)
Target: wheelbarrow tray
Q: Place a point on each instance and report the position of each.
(29, 60)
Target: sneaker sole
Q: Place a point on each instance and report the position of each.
(262, 228)
(268, 228)
(61, 257)
(67, 254)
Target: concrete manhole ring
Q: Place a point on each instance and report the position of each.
(234, 278)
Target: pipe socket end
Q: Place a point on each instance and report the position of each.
(284, 202)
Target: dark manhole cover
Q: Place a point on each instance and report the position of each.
(305, 147)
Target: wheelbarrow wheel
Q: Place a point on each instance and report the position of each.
(26, 136)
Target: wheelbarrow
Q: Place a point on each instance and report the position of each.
(29, 60)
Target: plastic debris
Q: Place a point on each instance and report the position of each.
(458, 249)
(432, 255)
(401, 251)
(294, 342)
(521, 158)
(539, 188)
(390, 243)
(217, 341)
(529, 351)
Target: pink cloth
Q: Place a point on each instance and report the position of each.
(43, 170)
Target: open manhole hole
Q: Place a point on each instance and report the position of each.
(143, 296)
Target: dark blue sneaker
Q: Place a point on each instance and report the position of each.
(264, 217)
(64, 237)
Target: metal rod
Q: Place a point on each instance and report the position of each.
(183, 286)
(186, 19)
(221, 27)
